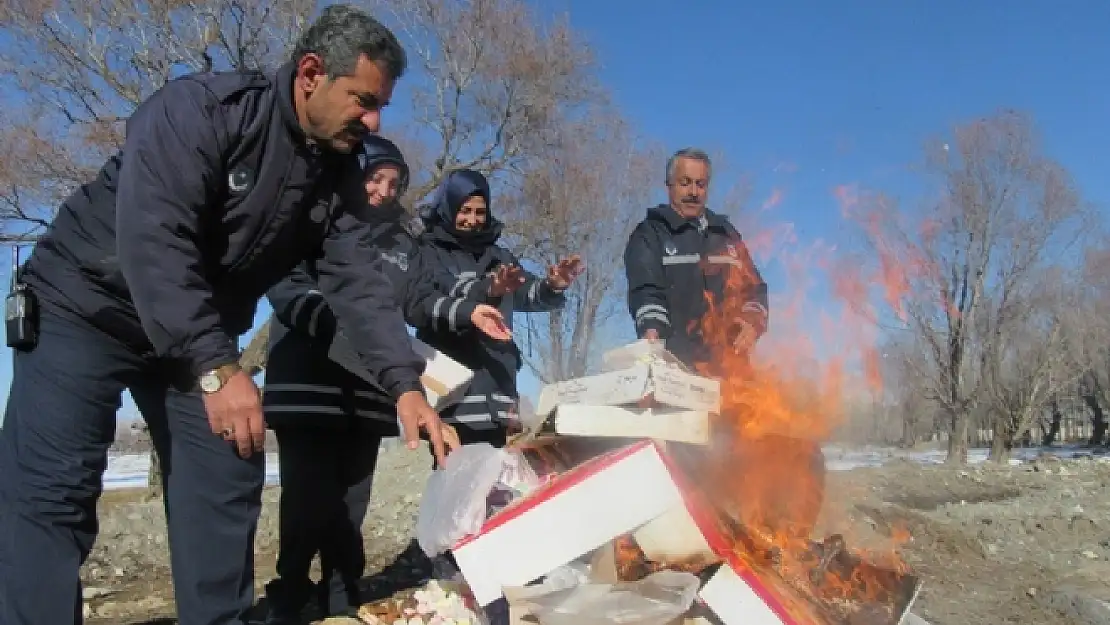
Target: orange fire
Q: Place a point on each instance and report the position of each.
(778, 405)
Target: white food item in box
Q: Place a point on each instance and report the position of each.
(669, 424)
(445, 380)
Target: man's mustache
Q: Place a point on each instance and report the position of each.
(357, 129)
(691, 199)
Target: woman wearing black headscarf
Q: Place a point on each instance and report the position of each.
(460, 252)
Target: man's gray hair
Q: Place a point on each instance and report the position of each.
(342, 34)
(693, 154)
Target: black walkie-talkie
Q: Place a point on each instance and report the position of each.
(20, 311)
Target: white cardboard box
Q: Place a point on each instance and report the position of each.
(670, 385)
(674, 536)
(641, 351)
(669, 424)
(613, 388)
(445, 380)
(739, 594)
(577, 512)
(674, 387)
(738, 597)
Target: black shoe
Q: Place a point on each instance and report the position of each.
(345, 603)
(286, 602)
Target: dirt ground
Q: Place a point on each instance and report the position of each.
(994, 544)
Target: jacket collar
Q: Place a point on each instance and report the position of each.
(676, 222)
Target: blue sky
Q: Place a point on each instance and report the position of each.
(845, 92)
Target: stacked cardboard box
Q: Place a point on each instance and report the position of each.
(642, 392)
(637, 491)
(613, 481)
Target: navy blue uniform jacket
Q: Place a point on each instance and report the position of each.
(462, 264)
(304, 387)
(216, 196)
(673, 263)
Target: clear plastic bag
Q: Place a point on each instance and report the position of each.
(457, 498)
(657, 599)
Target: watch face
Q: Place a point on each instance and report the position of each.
(209, 383)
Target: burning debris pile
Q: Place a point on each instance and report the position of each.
(637, 499)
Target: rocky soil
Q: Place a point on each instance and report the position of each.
(994, 545)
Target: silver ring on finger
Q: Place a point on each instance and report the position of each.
(227, 433)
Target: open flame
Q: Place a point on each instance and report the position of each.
(766, 472)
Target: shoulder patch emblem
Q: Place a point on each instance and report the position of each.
(240, 180)
(669, 248)
(400, 259)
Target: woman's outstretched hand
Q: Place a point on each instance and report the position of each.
(489, 321)
(562, 274)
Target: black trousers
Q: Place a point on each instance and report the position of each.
(60, 421)
(326, 477)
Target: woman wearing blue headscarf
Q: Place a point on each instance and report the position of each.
(460, 252)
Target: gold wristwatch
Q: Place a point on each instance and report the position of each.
(214, 380)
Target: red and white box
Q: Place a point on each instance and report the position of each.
(737, 596)
(635, 490)
(570, 516)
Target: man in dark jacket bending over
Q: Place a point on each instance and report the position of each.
(678, 259)
(146, 279)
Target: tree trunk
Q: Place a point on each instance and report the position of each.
(253, 359)
(155, 487)
(1000, 449)
(957, 437)
(1053, 430)
(909, 431)
(1002, 440)
(1098, 419)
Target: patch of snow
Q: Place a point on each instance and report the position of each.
(130, 470)
(845, 459)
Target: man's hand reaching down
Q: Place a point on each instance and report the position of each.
(416, 415)
(235, 413)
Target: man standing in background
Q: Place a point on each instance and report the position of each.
(680, 253)
(677, 258)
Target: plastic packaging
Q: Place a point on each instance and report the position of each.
(476, 481)
(657, 599)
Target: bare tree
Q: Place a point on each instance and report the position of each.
(592, 187)
(1028, 363)
(902, 363)
(491, 87)
(1091, 338)
(950, 272)
(81, 68)
(493, 79)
